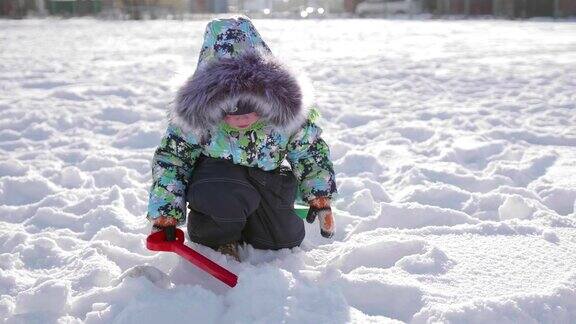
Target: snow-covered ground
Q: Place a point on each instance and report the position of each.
(454, 144)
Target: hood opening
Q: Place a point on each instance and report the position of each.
(235, 64)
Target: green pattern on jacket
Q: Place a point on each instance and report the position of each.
(258, 146)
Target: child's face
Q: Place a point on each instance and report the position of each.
(241, 121)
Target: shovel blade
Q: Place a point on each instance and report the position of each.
(157, 241)
(155, 275)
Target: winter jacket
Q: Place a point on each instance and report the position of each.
(235, 64)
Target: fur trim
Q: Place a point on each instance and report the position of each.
(214, 89)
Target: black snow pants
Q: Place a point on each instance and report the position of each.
(228, 202)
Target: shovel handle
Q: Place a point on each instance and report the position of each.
(206, 264)
(170, 233)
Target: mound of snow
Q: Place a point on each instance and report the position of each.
(24, 190)
(51, 296)
(556, 306)
(473, 150)
(441, 195)
(356, 163)
(12, 167)
(138, 138)
(411, 215)
(382, 293)
(515, 207)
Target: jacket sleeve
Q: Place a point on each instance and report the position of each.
(309, 156)
(172, 166)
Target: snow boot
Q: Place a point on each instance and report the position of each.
(230, 249)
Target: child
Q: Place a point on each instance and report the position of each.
(232, 125)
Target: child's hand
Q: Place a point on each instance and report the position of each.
(320, 207)
(163, 221)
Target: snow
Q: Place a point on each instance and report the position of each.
(515, 207)
(453, 141)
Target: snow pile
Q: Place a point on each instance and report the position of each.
(453, 143)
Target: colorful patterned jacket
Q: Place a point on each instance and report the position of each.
(236, 64)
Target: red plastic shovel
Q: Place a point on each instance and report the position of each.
(161, 241)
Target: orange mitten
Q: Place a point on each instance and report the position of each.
(163, 221)
(320, 208)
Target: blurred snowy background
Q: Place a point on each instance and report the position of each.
(453, 141)
(306, 9)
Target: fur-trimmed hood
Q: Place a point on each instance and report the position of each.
(235, 64)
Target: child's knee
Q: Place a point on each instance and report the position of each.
(281, 230)
(204, 230)
(225, 200)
